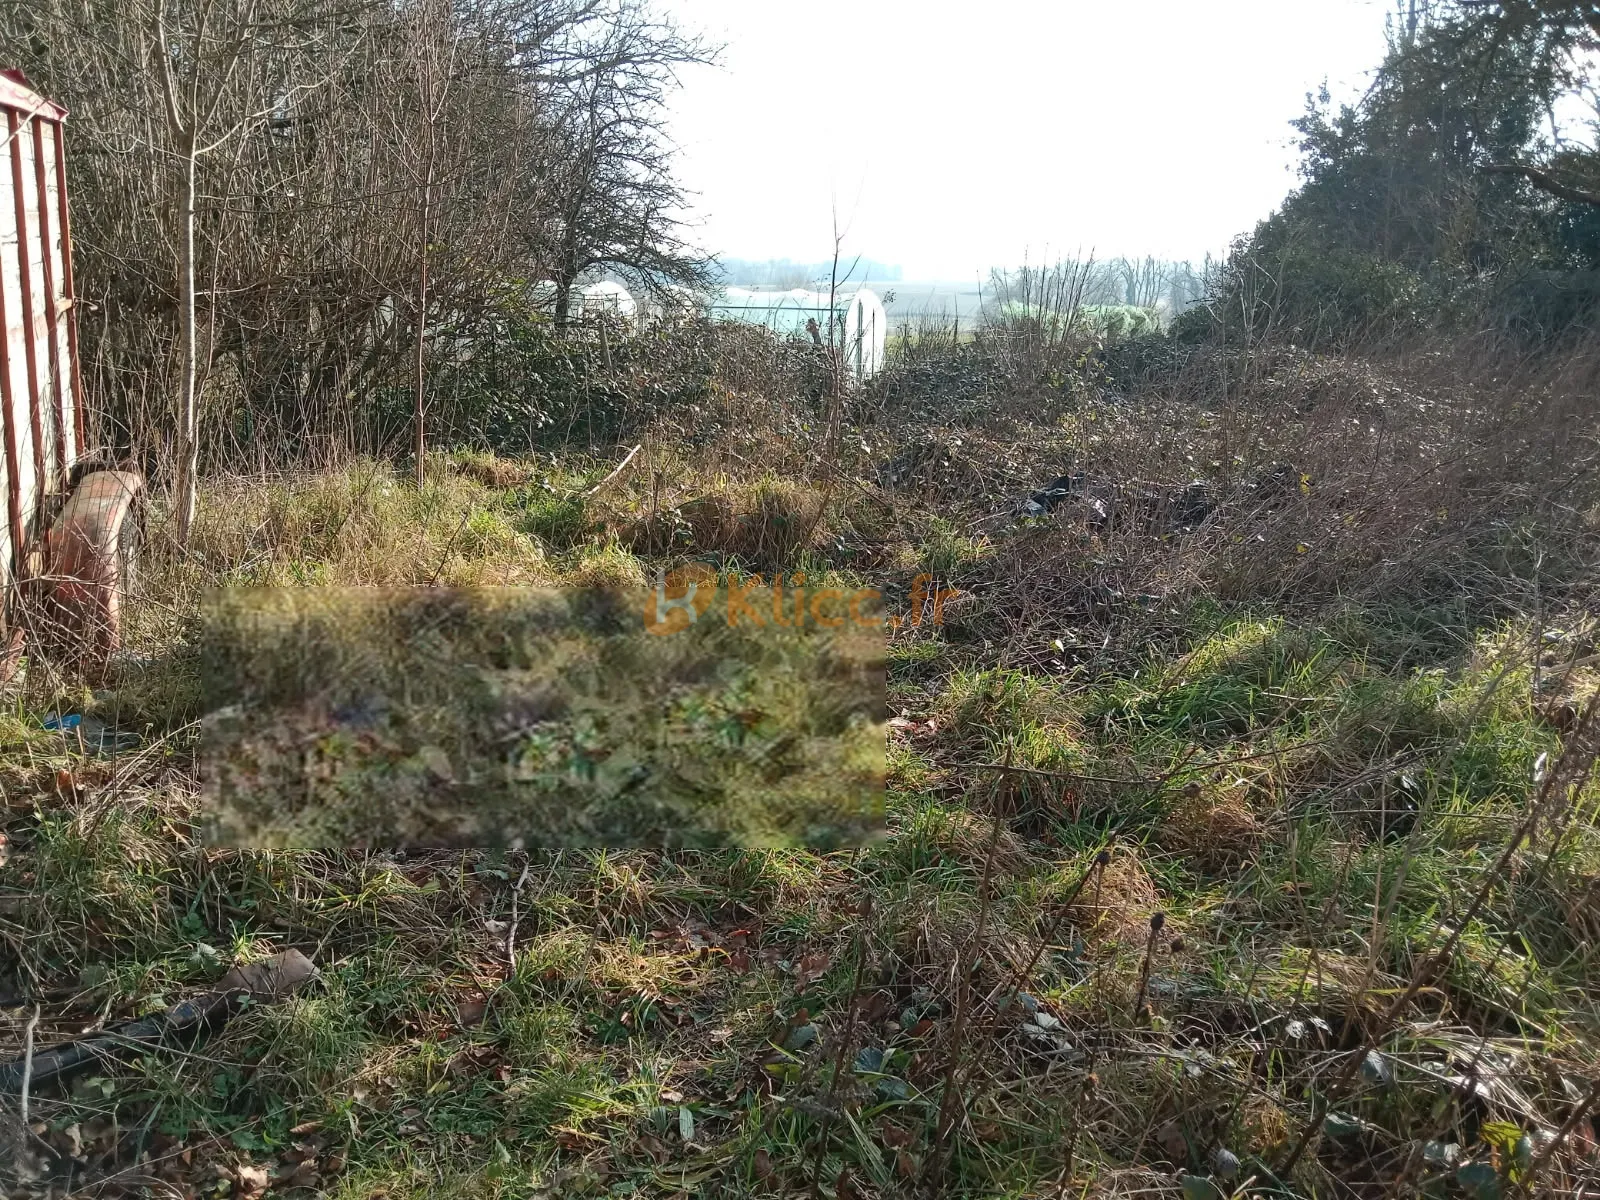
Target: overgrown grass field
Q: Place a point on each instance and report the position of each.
(1239, 846)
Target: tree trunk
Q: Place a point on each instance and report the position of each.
(422, 334)
(188, 417)
(424, 214)
(563, 301)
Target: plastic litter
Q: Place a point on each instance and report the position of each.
(92, 734)
(272, 979)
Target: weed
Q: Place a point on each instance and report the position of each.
(1330, 733)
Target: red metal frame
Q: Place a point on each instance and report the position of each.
(69, 294)
(17, 94)
(30, 324)
(31, 120)
(7, 407)
(81, 552)
(52, 315)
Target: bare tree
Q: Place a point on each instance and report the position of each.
(197, 63)
(435, 43)
(617, 206)
(286, 208)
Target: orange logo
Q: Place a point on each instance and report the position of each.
(680, 598)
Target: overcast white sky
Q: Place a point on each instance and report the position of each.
(958, 135)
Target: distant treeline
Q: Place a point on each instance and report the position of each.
(786, 273)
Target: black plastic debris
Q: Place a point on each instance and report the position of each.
(274, 978)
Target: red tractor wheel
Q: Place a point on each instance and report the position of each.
(91, 556)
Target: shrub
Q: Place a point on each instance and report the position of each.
(1541, 306)
(1324, 295)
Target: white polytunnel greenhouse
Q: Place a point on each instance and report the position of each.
(588, 299)
(858, 315)
(606, 297)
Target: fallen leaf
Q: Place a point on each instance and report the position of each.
(874, 1006)
(437, 763)
(1375, 1068)
(762, 1164)
(1479, 1179)
(896, 1137)
(303, 1176)
(810, 969)
(251, 1178)
(1172, 1142)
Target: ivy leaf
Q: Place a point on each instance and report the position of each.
(1342, 1127)
(890, 1088)
(1522, 1152)
(1201, 1187)
(1502, 1134)
(1479, 1180)
(800, 1037)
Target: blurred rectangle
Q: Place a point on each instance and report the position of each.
(509, 717)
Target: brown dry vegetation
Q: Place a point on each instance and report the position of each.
(1303, 727)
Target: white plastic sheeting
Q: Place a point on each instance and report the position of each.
(608, 298)
(588, 299)
(672, 301)
(855, 318)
